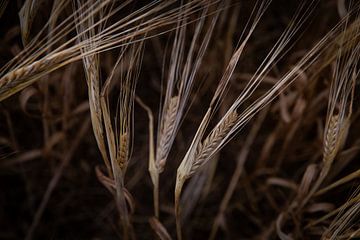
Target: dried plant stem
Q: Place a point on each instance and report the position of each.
(154, 173)
(155, 179)
(128, 232)
(178, 188)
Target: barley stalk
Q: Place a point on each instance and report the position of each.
(153, 170)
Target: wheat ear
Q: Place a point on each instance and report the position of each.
(166, 132)
(206, 149)
(22, 77)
